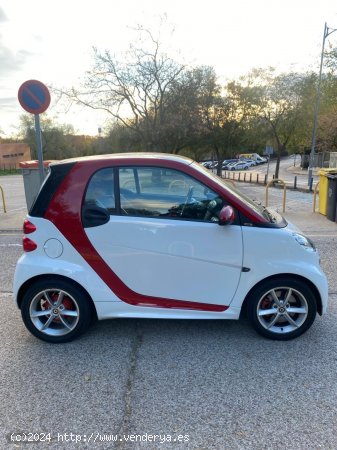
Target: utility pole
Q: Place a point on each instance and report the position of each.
(327, 32)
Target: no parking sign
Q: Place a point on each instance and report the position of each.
(34, 97)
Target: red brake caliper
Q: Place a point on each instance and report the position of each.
(266, 304)
(67, 303)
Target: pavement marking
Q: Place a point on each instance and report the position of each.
(11, 232)
(10, 245)
(332, 234)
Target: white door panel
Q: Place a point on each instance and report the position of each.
(175, 259)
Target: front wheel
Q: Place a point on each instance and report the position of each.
(56, 310)
(281, 309)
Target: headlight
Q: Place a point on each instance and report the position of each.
(304, 241)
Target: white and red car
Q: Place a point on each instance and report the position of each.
(159, 236)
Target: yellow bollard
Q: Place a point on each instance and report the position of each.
(315, 196)
(3, 200)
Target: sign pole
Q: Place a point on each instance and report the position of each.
(34, 97)
(268, 166)
(39, 146)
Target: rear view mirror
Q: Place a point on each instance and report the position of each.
(226, 216)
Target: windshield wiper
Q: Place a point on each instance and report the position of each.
(270, 216)
(264, 210)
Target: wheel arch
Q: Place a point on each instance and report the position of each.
(25, 286)
(309, 283)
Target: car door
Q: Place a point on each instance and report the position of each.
(163, 239)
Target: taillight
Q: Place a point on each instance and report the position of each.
(28, 227)
(28, 245)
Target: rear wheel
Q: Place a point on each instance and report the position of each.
(56, 310)
(282, 309)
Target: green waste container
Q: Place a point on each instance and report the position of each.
(31, 179)
(323, 189)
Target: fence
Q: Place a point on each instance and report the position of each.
(260, 178)
(9, 168)
(248, 177)
(333, 160)
(320, 160)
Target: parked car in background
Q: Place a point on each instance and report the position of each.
(227, 162)
(241, 165)
(250, 162)
(210, 164)
(145, 235)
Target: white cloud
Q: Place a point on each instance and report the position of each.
(3, 16)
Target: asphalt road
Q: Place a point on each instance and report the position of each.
(210, 384)
(216, 383)
(287, 172)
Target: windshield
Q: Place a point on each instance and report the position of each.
(256, 206)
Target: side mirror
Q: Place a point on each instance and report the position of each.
(226, 216)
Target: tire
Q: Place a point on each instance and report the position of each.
(291, 304)
(56, 310)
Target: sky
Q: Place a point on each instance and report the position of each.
(53, 42)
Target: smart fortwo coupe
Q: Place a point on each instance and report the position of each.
(158, 236)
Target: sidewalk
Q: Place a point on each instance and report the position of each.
(12, 221)
(15, 203)
(312, 223)
(297, 170)
(292, 176)
(299, 208)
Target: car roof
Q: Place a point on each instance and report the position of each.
(124, 158)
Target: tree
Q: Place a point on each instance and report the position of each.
(278, 105)
(58, 140)
(133, 89)
(233, 114)
(327, 129)
(184, 128)
(225, 114)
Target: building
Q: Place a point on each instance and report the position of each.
(12, 154)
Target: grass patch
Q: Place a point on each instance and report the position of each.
(10, 172)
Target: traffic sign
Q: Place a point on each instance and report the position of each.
(34, 96)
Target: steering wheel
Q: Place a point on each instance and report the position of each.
(188, 199)
(210, 209)
(129, 182)
(176, 182)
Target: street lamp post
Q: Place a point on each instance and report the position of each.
(327, 32)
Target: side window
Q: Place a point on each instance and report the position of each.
(127, 179)
(100, 190)
(166, 193)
